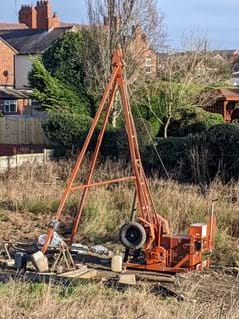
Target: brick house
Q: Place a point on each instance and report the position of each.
(37, 30)
(140, 52)
(7, 63)
(143, 53)
(25, 45)
(18, 49)
(14, 101)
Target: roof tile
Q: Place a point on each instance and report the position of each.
(32, 41)
(12, 26)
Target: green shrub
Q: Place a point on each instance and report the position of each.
(194, 120)
(198, 158)
(223, 143)
(67, 130)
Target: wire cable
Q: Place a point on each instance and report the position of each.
(152, 141)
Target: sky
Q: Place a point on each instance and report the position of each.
(215, 19)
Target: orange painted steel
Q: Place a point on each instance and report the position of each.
(112, 181)
(93, 162)
(82, 155)
(161, 251)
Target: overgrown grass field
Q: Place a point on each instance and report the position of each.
(29, 198)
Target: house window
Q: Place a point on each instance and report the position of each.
(148, 65)
(10, 106)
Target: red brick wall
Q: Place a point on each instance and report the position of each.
(140, 50)
(7, 56)
(28, 16)
(39, 17)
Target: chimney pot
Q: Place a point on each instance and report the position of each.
(40, 16)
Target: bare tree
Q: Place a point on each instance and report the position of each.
(123, 23)
(184, 78)
(185, 75)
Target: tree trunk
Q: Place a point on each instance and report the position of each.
(166, 128)
(114, 119)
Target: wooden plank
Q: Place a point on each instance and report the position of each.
(19, 124)
(75, 273)
(127, 279)
(91, 273)
(2, 130)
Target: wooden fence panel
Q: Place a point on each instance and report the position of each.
(22, 130)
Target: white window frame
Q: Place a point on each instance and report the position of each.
(8, 104)
(148, 65)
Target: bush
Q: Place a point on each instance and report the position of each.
(194, 120)
(199, 158)
(115, 143)
(67, 130)
(66, 48)
(223, 143)
(171, 151)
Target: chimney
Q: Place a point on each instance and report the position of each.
(28, 16)
(40, 16)
(45, 19)
(55, 21)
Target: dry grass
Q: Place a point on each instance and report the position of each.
(34, 301)
(28, 198)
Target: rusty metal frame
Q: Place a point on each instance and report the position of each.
(155, 224)
(146, 208)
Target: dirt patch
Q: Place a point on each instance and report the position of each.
(16, 226)
(211, 288)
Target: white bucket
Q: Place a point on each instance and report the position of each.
(117, 263)
(40, 261)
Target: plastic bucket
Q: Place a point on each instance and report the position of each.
(40, 261)
(117, 263)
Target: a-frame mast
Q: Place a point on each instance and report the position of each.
(146, 209)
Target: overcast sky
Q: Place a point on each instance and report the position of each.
(215, 18)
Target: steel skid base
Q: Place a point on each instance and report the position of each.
(161, 268)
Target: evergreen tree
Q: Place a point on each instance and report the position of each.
(52, 93)
(64, 59)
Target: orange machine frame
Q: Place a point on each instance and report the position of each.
(162, 251)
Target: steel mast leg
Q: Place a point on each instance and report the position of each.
(80, 158)
(93, 163)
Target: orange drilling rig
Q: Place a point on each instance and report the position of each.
(147, 237)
